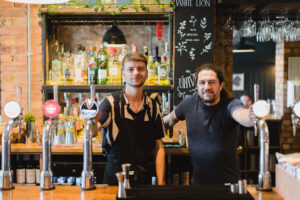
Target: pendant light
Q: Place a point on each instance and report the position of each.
(39, 1)
(114, 35)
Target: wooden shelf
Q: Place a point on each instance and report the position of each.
(101, 88)
(75, 149)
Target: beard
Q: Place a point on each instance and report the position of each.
(210, 99)
(135, 85)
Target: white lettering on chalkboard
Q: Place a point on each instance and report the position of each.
(181, 47)
(181, 28)
(203, 23)
(184, 3)
(202, 3)
(186, 84)
(189, 3)
(207, 36)
(206, 48)
(193, 20)
(192, 54)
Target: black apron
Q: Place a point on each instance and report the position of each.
(134, 144)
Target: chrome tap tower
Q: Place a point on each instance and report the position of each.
(12, 110)
(261, 109)
(89, 110)
(50, 110)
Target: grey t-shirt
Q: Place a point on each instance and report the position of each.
(213, 139)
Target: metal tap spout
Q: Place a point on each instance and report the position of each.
(264, 177)
(46, 174)
(6, 182)
(87, 175)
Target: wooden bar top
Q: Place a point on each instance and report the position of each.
(74, 149)
(102, 192)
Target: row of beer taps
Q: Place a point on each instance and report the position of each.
(89, 110)
(12, 110)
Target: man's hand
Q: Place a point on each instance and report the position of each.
(170, 120)
(251, 115)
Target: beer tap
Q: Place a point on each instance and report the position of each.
(20, 118)
(261, 109)
(295, 115)
(50, 110)
(89, 110)
(13, 111)
(256, 96)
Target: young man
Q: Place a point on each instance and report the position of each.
(132, 127)
(212, 121)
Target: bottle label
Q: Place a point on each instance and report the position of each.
(162, 73)
(56, 65)
(78, 74)
(103, 57)
(67, 73)
(102, 73)
(151, 73)
(21, 175)
(113, 71)
(30, 175)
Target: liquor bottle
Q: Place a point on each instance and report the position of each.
(20, 172)
(68, 69)
(56, 66)
(162, 72)
(102, 62)
(121, 57)
(79, 66)
(134, 48)
(114, 69)
(146, 53)
(30, 171)
(92, 66)
(152, 72)
(156, 57)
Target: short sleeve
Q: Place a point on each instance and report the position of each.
(105, 108)
(181, 109)
(234, 104)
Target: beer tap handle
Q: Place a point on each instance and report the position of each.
(294, 124)
(55, 93)
(256, 96)
(92, 91)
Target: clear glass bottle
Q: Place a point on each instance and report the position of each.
(102, 62)
(79, 66)
(114, 69)
(152, 72)
(68, 69)
(162, 72)
(56, 66)
(92, 66)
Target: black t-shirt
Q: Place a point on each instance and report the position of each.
(213, 138)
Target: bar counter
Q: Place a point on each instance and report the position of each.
(74, 149)
(102, 192)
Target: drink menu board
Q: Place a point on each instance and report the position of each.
(194, 30)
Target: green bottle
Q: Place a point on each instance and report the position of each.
(102, 61)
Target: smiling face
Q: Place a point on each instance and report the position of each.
(209, 87)
(134, 73)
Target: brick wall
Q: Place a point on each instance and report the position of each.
(14, 57)
(284, 50)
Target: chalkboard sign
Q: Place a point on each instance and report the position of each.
(194, 30)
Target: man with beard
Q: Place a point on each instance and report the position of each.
(212, 121)
(132, 127)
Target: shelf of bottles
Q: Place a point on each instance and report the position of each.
(102, 65)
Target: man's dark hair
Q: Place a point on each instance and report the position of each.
(209, 66)
(247, 95)
(134, 57)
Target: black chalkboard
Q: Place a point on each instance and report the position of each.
(194, 31)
